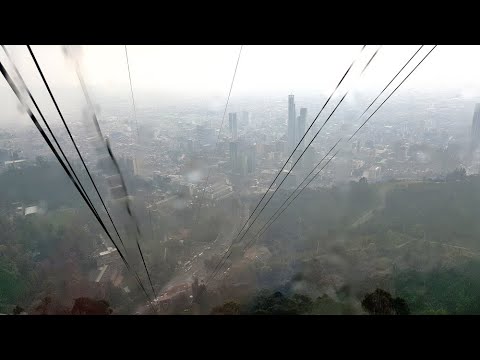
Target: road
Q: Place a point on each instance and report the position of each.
(195, 266)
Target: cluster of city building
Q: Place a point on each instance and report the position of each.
(246, 153)
(177, 151)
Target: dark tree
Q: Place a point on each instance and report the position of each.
(401, 306)
(380, 302)
(18, 310)
(87, 306)
(44, 306)
(229, 308)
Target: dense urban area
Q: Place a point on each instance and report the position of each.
(388, 225)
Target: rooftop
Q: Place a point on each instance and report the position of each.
(14, 162)
(31, 210)
(108, 251)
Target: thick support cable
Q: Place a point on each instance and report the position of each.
(49, 143)
(267, 224)
(74, 143)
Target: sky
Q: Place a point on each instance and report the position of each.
(164, 73)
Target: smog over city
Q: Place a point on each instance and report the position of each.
(239, 180)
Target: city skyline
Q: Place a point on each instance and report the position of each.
(220, 206)
(314, 74)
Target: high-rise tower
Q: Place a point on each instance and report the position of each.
(234, 156)
(291, 123)
(232, 119)
(245, 118)
(301, 122)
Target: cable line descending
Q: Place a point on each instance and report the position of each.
(286, 162)
(131, 213)
(46, 124)
(334, 155)
(49, 143)
(121, 177)
(137, 142)
(296, 162)
(386, 86)
(218, 136)
(37, 65)
(131, 91)
(303, 152)
(115, 163)
(392, 92)
(311, 125)
(267, 224)
(369, 106)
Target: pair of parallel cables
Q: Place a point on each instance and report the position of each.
(279, 211)
(64, 162)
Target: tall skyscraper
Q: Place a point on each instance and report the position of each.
(251, 159)
(301, 122)
(232, 120)
(243, 164)
(476, 127)
(245, 118)
(234, 155)
(291, 123)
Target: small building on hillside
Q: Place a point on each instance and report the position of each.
(35, 209)
(14, 164)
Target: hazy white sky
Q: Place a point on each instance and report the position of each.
(204, 71)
